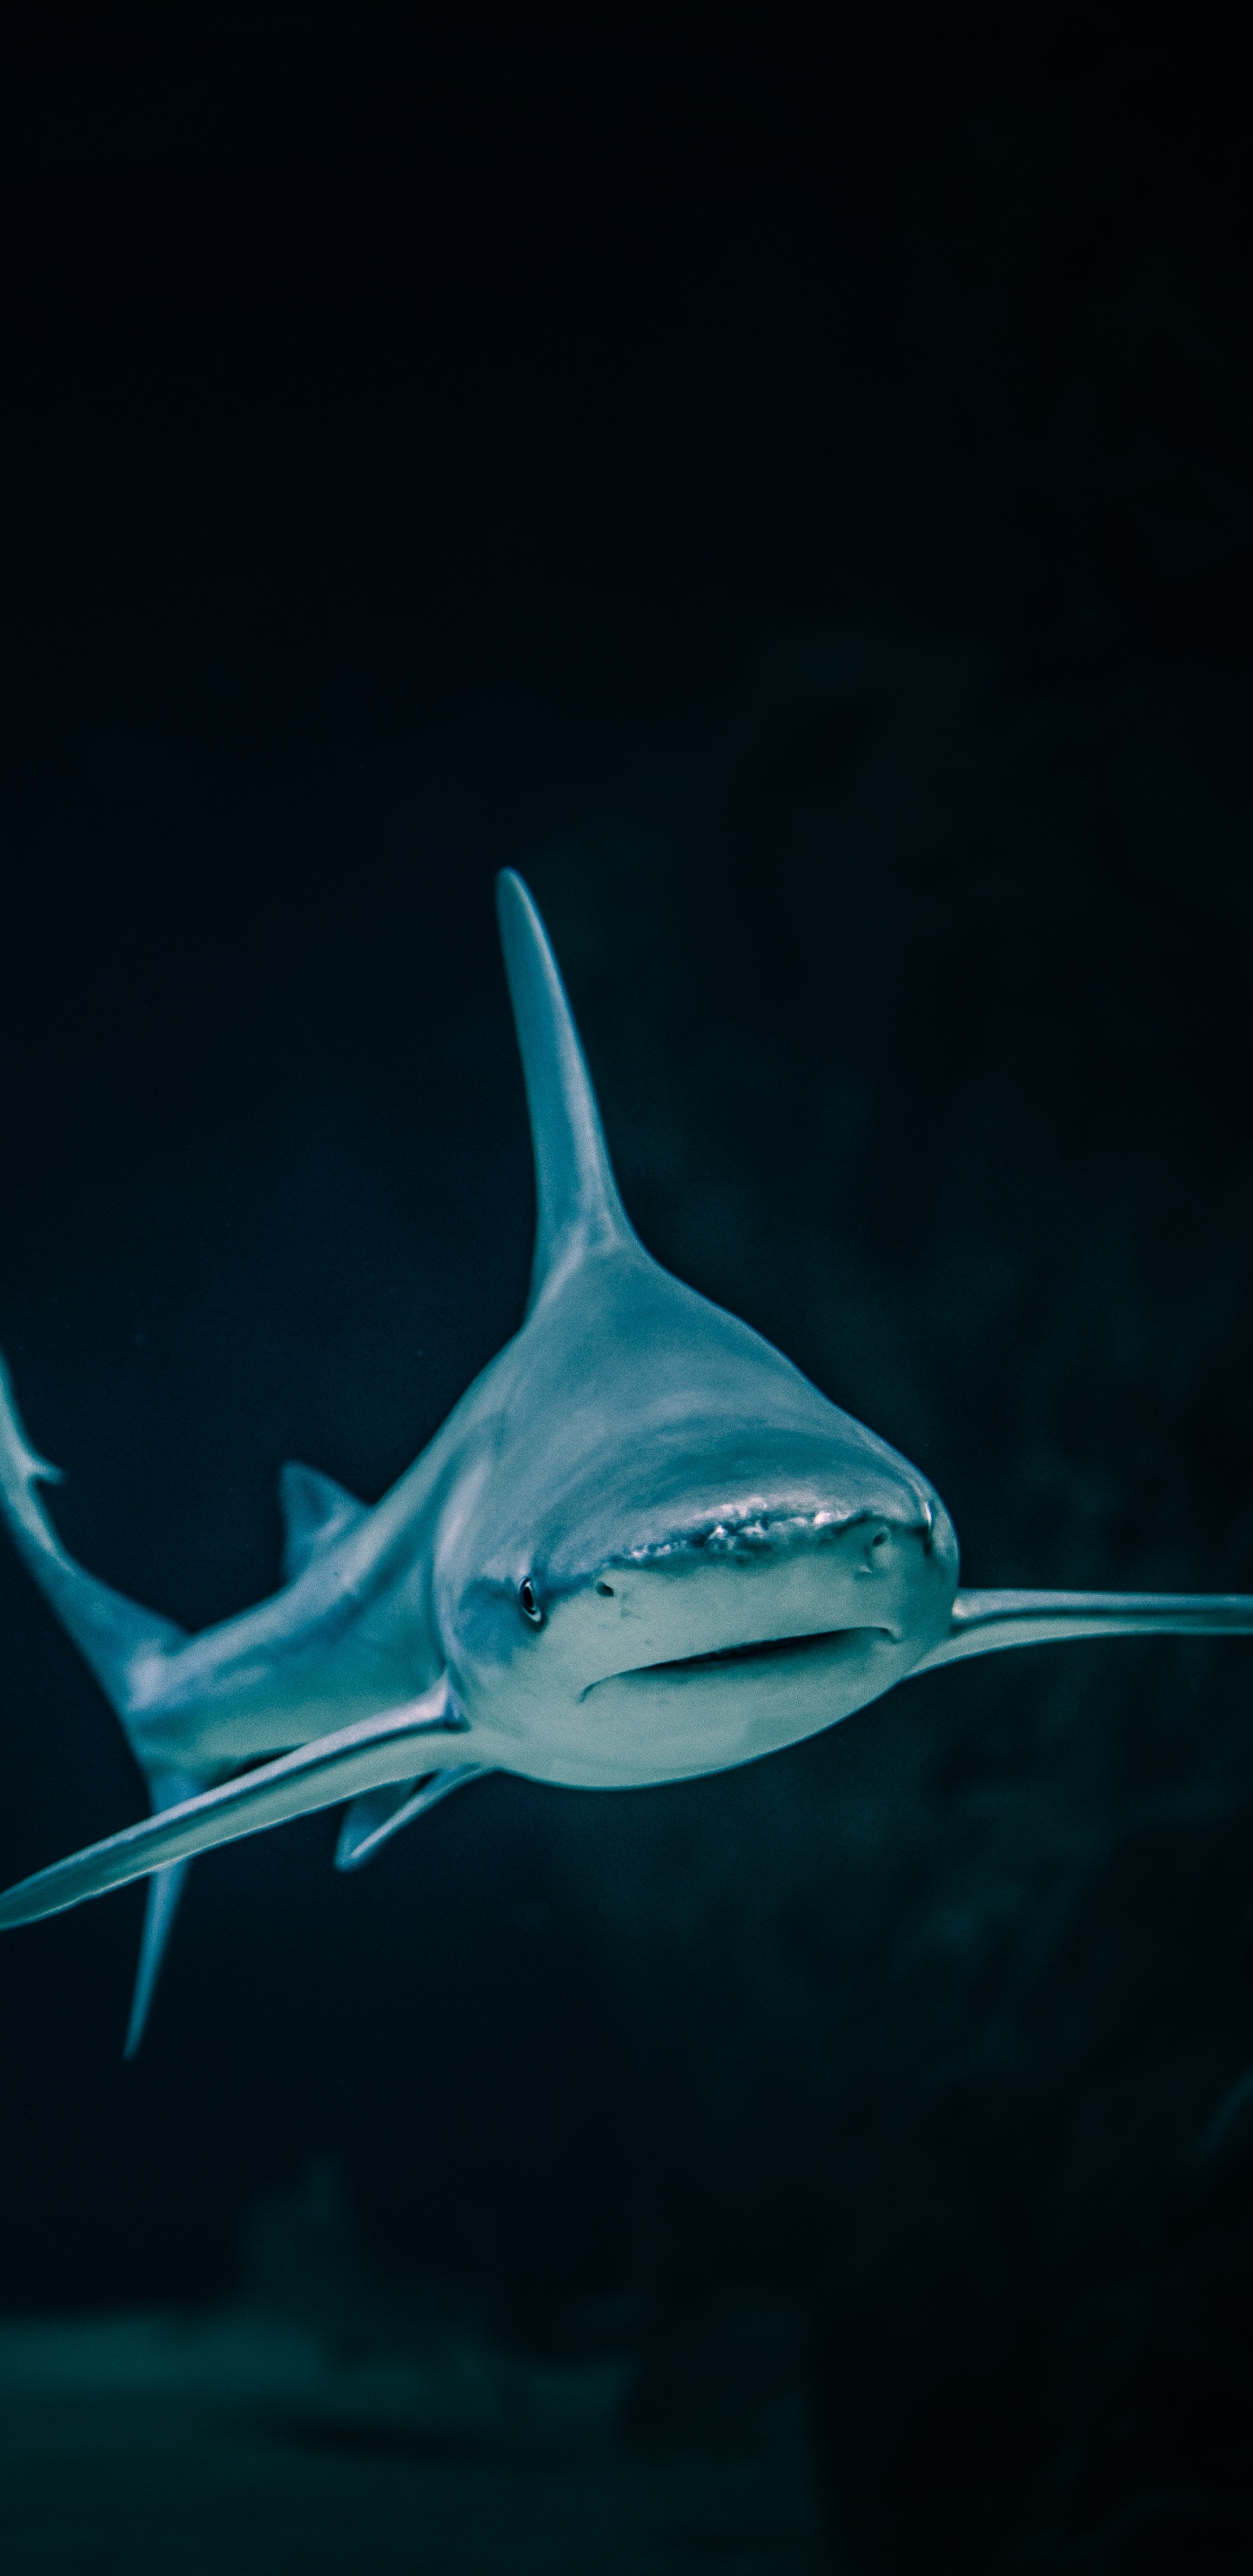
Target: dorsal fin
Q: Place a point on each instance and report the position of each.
(577, 1207)
(316, 1511)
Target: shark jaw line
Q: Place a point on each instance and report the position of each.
(820, 1644)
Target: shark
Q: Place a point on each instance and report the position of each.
(642, 1547)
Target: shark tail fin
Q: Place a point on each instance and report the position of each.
(125, 1646)
(578, 1209)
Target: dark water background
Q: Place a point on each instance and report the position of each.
(797, 507)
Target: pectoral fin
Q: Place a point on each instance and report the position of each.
(377, 1814)
(983, 1622)
(370, 1754)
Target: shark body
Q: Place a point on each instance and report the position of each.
(641, 1547)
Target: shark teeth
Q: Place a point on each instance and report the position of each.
(751, 1529)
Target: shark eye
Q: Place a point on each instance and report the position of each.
(529, 1606)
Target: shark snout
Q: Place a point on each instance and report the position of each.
(699, 1593)
(742, 1585)
(726, 1638)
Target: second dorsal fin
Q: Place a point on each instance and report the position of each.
(316, 1511)
(577, 1207)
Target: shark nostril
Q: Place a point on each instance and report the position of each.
(606, 1589)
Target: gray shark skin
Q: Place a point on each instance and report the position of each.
(641, 1547)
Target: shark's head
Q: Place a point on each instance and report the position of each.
(691, 1560)
(675, 1554)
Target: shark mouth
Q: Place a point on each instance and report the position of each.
(816, 1643)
